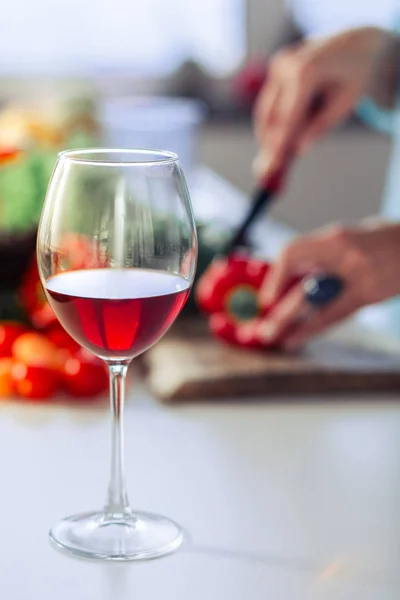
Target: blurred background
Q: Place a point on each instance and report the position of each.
(214, 50)
(176, 75)
(181, 75)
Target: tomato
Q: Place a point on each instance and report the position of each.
(77, 252)
(9, 155)
(62, 339)
(43, 316)
(7, 387)
(9, 332)
(36, 383)
(85, 375)
(34, 349)
(33, 299)
(249, 81)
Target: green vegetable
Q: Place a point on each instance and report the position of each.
(23, 185)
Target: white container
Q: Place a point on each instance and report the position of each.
(154, 122)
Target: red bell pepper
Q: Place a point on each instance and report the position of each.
(228, 292)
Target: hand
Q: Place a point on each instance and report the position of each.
(335, 71)
(365, 258)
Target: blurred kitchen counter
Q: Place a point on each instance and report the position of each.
(342, 178)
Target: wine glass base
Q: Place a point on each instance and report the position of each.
(95, 535)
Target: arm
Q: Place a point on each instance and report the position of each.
(384, 81)
(376, 108)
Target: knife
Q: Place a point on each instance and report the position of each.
(267, 190)
(262, 198)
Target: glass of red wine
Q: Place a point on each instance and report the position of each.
(117, 252)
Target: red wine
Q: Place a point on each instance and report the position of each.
(117, 313)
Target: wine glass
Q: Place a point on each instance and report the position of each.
(117, 252)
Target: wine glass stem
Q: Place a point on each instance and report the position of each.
(117, 504)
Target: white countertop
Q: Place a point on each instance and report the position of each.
(283, 499)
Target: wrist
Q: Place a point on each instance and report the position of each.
(383, 47)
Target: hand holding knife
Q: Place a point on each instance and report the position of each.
(266, 192)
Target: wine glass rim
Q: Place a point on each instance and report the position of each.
(86, 156)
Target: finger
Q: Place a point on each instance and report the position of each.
(290, 117)
(338, 106)
(325, 318)
(247, 331)
(264, 165)
(265, 108)
(301, 256)
(283, 316)
(260, 166)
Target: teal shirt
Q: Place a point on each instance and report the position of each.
(388, 122)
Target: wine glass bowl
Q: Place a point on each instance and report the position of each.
(97, 308)
(117, 252)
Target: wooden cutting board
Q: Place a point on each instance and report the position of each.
(188, 364)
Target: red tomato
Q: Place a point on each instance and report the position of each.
(77, 251)
(33, 299)
(85, 376)
(249, 81)
(62, 339)
(43, 316)
(9, 155)
(34, 349)
(36, 383)
(7, 387)
(9, 332)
